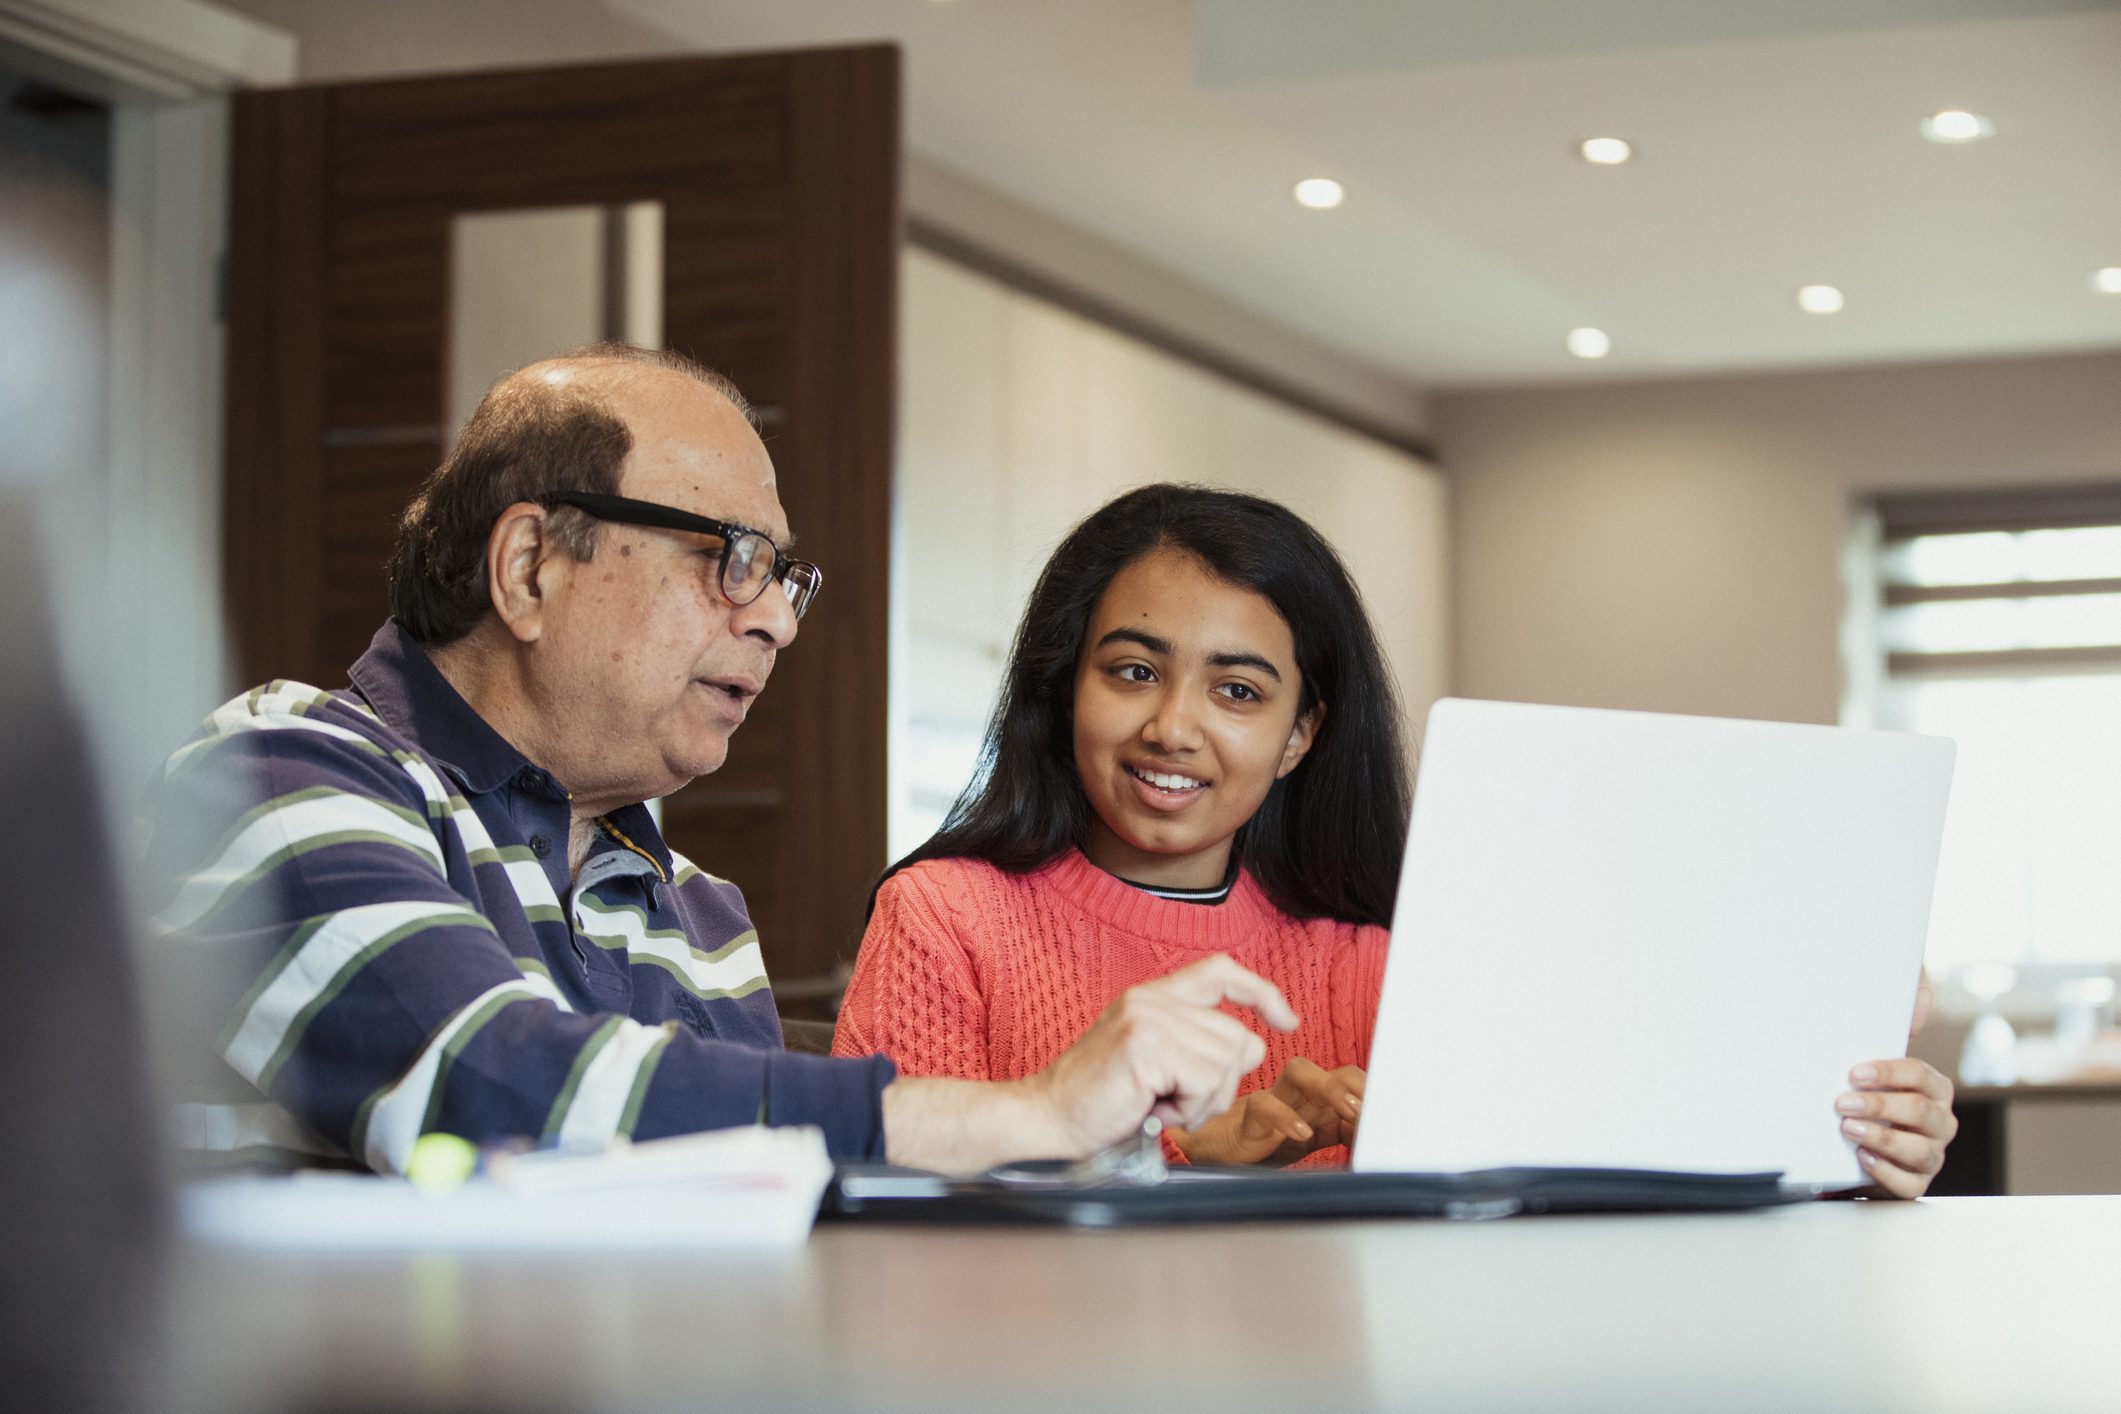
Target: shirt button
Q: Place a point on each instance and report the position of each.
(540, 846)
(526, 779)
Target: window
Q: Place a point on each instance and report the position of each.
(1998, 622)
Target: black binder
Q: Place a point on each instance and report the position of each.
(1049, 1195)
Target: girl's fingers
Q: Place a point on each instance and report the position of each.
(1303, 1083)
(1902, 1109)
(1900, 1116)
(1902, 1073)
(1299, 1077)
(1917, 1153)
(1268, 1119)
(1891, 1177)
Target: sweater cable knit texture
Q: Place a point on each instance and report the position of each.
(971, 972)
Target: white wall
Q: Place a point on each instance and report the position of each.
(165, 649)
(1016, 420)
(375, 38)
(960, 209)
(55, 320)
(123, 373)
(525, 285)
(1676, 545)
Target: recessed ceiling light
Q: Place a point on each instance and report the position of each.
(1319, 193)
(2108, 281)
(1819, 299)
(1605, 151)
(1957, 125)
(1589, 343)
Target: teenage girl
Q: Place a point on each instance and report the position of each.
(1197, 749)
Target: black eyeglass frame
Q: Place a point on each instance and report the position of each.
(624, 510)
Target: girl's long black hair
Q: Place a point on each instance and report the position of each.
(1327, 840)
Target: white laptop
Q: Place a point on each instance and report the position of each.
(1637, 941)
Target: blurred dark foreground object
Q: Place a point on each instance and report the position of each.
(83, 1200)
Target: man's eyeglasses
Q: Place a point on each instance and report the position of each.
(750, 560)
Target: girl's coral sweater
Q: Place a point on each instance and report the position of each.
(971, 972)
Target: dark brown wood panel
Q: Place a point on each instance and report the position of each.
(279, 168)
(727, 305)
(388, 312)
(365, 487)
(779, 180)
(844, 314)
(557, 137)
(736, 838)
(757, 766)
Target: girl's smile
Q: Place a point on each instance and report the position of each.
(1167, 790)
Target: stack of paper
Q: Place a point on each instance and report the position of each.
(734, 1188)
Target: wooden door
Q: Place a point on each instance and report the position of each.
(778, 177)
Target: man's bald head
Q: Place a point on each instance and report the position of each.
(556, 425)
(608, 371)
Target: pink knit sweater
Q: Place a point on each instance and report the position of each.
(971, 972)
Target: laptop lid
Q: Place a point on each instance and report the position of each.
(1632, 940)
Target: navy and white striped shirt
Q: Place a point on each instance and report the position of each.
(370, 888)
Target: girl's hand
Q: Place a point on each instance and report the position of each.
(1306, 1110)
(1900, 1115)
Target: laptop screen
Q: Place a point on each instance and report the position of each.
(1634, 940)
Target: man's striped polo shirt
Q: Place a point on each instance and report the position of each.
(368, 893)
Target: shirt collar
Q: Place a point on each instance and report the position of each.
(633, 829)
(409, 693)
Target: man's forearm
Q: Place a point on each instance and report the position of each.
(965, 1126)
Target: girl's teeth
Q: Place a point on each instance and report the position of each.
(1167, 782)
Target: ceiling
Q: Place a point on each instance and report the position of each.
(1777, 147)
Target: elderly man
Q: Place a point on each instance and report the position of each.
(434, 901)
